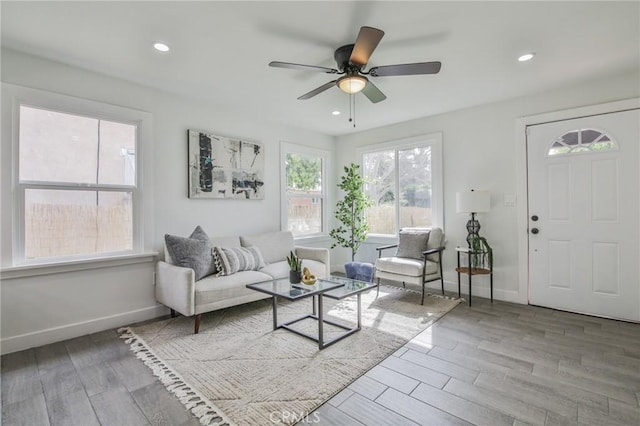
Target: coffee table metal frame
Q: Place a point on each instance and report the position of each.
(336, 288)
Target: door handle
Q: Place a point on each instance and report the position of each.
(534, 218)
(534, 231)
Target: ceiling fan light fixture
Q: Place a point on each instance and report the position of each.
(351, 60)
(352, 83)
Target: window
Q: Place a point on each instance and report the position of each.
(304, 188)
(582, 140)
(404, 181)
(77, 181)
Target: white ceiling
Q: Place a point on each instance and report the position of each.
(220, 50)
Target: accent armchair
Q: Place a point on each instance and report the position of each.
(418, 259)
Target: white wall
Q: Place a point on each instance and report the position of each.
(479, 150)
(40, 309)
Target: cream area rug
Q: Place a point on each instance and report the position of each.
(238, 370)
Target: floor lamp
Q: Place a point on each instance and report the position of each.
(473, 202)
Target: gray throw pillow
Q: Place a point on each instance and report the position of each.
(231, 260)
(194, 252)
(199, 234)
(412, 244)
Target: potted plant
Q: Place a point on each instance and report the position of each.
(484, 253)
(295, 268)
(350, 211)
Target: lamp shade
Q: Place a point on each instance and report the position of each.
(473, 201)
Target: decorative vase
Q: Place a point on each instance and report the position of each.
(295, 277)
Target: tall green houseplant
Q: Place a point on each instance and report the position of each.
(350, 211)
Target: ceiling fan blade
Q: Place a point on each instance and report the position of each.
(373, 93)
(277, 64)
(406, 69)
(318, 90)
(366, 43)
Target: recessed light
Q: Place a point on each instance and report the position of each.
(160, 47)
(335, 113)
(526, 57)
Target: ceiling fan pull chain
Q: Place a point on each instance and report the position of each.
(352, 109)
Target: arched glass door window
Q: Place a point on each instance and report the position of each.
(582, 140)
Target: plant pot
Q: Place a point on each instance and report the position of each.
(295, 277)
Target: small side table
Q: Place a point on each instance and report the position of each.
(470, 271)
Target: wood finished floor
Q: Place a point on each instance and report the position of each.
(500, 364)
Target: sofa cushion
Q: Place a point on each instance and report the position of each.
(213, 288)
(225, 242)
(405, 266)
(281, 269)
(275, 246)
(276, 269)
(234, 259)
(193, 252)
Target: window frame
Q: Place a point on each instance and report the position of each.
(432, 140)
(580, 148)
(292, 148)
(34, 98)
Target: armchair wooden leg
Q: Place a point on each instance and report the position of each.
(441, 277)
(196, 327)
(173, 313)
(378, 290)
(422, 300)
(404, 285)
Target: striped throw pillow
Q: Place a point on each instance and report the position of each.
(235, 259)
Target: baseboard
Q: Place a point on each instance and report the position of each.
(69, 331)
(479, 290)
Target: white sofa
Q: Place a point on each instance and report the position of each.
(177, 288)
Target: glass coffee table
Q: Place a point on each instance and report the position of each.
(334, 287)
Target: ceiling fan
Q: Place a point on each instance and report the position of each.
(351, 60)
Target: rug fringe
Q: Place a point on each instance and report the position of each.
(207, 413)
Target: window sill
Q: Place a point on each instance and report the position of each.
(24, 271)
(319, 238)
(381, 239)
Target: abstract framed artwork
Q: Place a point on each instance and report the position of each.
(223, 167)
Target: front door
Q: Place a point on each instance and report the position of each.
(584, 214)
